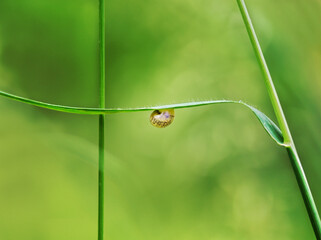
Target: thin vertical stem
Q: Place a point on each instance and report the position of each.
(101, 179)
(288, 141)
(101, 143)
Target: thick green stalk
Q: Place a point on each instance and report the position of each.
(101, 143)
(288, 141)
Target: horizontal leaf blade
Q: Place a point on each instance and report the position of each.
(270, 127)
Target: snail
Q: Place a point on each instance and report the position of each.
(162, 118)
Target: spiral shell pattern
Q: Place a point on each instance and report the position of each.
(162, 118)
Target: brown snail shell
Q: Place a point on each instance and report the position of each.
(162, 118)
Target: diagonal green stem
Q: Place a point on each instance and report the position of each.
(267, 76)
(294, 158)
(101, 130)
(305, 191)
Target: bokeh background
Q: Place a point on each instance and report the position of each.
(213, 174)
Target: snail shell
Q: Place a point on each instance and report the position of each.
(162, 118)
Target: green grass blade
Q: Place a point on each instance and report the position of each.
(305, 191)
(101, 123)
(270, 127)
(288, 141)
(266, 73)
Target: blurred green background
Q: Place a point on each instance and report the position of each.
(213, 174)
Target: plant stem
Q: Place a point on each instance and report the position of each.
(267, 76)
(101, 179)
(101, 130)
(305, 191)
(288, 141)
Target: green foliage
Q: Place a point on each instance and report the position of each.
(212, 174)
(288, 141)
(267, 123)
